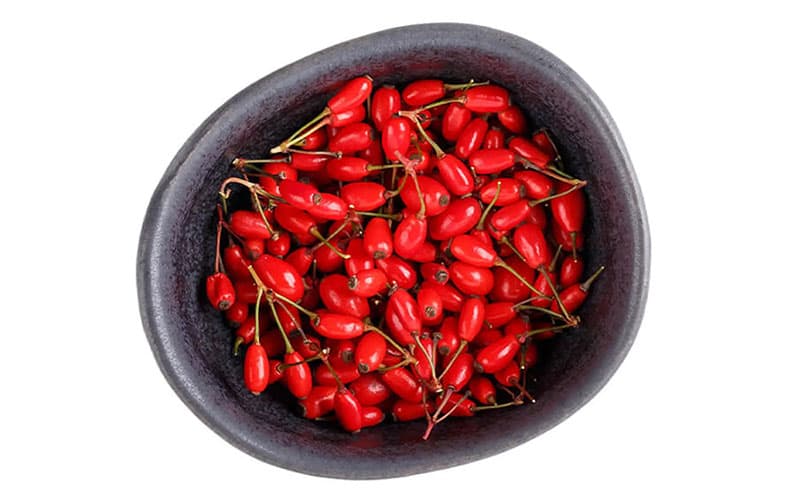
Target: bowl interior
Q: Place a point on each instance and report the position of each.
(193, 345)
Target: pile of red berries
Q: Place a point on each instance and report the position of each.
(403, 252)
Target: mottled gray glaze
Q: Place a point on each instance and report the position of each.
(192, 344)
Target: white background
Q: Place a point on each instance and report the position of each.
(96, 99)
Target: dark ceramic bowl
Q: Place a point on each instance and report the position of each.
(193, 345)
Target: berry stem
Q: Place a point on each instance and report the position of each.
(491, 204)
(531, 333)
(271, 302)
(501, 263)
(257, 338)
(567, 317)
(572, 188)
(549, 172)
(496, 406)
(461, 347)
(326, 241)
(586, 284)
(281, 147)
(468, 85)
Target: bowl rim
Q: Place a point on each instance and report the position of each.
(151, 248)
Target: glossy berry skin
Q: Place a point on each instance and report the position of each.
(280, 276)
(236, 314)
(455, 175)
(359, 259)
(483, 390)
(529, 151)
(452, 299)
(399, 271)
(513, 119)
(459, 374)
(342, 352)
(370, 351)
(510, 216)
(220, 291)
(499, 313)
(511, 190)
(449, 340)
(572, 297)
(434, 194)
(537, 186)
(385, 103)
(249, 224)
(348, 410)
(473, 251)
(307, 162)
(247, 330)
(368, 282)
(256, 369)
(497, 355)
(396, 326)
(396, 137)
(337, 296)
(531, 243)
(294, 220)
(434, 272)
(431, 306)
(337, 326)
(297, 377)
(378, 238)
(422, 369)
(564, 238)
(407, 310)
(318, 403)
(471, 137)
(409, 236)
(406, 411)
(299, 194)
(426, 253)
(236, 263)
(470, 320)
(371, 416)
(422, 92)
(403, 384)
(486, 99)
(353, 94)
(364, 196)
(455, 118)
(494, 139)
(569, 211)
(347, 168)
(459, 217)
(370, 390)
(491, 161)
(275, 372)
(328, 207)
(327, 260)
(543, 141)
(352, 115)
(459, 408)
(347, 374)
(571, 271)
(471, 280)
(253, 247)
(352, 138)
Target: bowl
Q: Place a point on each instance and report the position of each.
(192, 345)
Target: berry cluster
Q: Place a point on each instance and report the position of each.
(403, 252)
